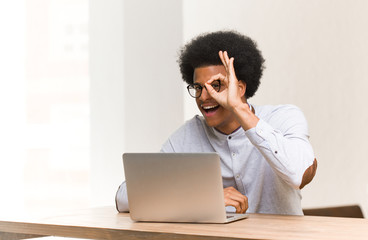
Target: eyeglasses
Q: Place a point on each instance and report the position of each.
(195, 90)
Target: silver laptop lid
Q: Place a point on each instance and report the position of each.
(174, 187)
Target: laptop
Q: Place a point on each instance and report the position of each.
(176, 187)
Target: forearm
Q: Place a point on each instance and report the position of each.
(121, 199)
(245, 116)
(289, 155)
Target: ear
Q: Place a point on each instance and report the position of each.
(242, 87)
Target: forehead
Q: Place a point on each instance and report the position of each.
(203, 74)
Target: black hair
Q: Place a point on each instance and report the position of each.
(203, 51)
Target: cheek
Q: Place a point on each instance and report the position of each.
(198, 103)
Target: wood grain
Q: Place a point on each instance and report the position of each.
(16, 236)
(106, 223)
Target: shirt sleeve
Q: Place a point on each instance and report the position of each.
(167, 147)
(287, 148)
(121, 199)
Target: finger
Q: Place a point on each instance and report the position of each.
(232, 193)
(238, 205)
(242, 200)
(235, 204)
(229, 189)
(218, 76)
(231, 69)
(212, 92)
(224, 85)
(246, 205)
(221, 54)
(227, 59)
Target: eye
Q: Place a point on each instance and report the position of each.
(215, 85)
(197, 87)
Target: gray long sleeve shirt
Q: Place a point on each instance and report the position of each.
(265, 163)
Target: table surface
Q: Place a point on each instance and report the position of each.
(106, 223)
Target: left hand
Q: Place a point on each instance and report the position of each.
(230, 96)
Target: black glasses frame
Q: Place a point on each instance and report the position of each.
(195, 90)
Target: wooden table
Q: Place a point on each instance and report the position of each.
(106, 223)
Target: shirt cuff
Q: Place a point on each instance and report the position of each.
(259, 133)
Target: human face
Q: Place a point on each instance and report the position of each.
(215, 115)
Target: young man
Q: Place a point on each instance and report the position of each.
(266, 157)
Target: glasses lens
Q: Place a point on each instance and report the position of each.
(194, 90)
(216, 85)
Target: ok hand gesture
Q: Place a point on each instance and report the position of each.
(230, 95)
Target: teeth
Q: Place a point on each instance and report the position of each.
(209, 107)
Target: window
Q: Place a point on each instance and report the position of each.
(46, 164)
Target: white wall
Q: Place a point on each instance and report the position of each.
(106, 98)
(12, 105)
(136, 95)
(316, 57)
(152, 84)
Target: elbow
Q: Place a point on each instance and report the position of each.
(309, 174)
(298, 180)
(121, 206)
(294, 182)
(117, 200)
(121, 199)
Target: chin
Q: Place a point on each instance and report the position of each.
(211, 123)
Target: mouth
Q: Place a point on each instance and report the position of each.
(208, 109)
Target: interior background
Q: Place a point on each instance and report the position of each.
(316, 58)
(84, 81)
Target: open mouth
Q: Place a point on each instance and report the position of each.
(210, 108)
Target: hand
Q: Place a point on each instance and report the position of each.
(231, 95)
(234, 198)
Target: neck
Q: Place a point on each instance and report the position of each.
(229, 131)
(229, 127)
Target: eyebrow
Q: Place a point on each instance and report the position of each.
(195, 83)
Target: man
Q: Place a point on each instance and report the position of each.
(266, 157)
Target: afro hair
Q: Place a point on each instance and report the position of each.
(203, 51)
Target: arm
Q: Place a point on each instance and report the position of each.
(290, 155)
(288, 152)
(121, 199)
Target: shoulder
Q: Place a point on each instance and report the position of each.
(279, 112)
(191, 125)
(276, 110)
(285, 117)
(189, 134)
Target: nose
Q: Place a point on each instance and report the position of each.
(204, 95)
